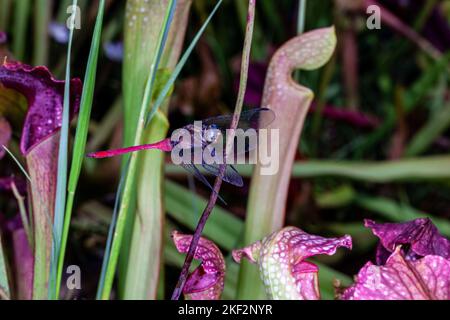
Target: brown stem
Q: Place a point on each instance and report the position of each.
(197, 234)
(218, 182)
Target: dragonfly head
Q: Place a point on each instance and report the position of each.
(212, 133)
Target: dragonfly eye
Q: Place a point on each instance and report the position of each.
(211, 134)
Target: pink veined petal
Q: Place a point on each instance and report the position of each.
(427, 278)
(421, 236)
(45, 96)
(207, 281)
(281, 256)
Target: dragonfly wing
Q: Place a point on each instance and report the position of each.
(250, 119)
(231, 175)
(197, 174)
(254, 118)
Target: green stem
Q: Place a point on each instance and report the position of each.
(21, 14)
(61, 183)
(105, 287)
(301, 16)
(42, 8)
(80, 139)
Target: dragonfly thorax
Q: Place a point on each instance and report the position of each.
(211, 134)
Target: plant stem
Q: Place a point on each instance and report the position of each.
(61, 183)
(110, 262)
(301, 17)
(218, 182)
(43, 12)
(21, 13)
(80, 139)
(23, 213)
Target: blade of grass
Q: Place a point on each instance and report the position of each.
(258, 51)
(106, 126)
(80, 138)
(182, 204)
(42, 9)
(143, 23)
(268, 191)
(301, 16)
(23, 213)
(4, 282)
(414, 96)
(142, 32)
(229, 145)
(225, 230)
(109, 241)
(396, 212)
(5, 11)
(103, 291)
(412, 169)
(111, 260)
(61, 183)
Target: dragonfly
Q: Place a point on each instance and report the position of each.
(210, 134)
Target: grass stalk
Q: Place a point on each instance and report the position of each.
(218, 182)
(80, 139)
(5, 11)
(23, 213)
(21, 14)
(111, 258)
(61, 183)
(142, 277)
(290, 103)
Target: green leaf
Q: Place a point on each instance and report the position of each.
(118, 224)
(43, 9)
(432, 129)
(4, 282)
(80, 139)
(61, 183)
(185, 207)
(21, 14)
(412, 169)
(143, 273)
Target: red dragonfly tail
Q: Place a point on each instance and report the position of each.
(163, 145)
